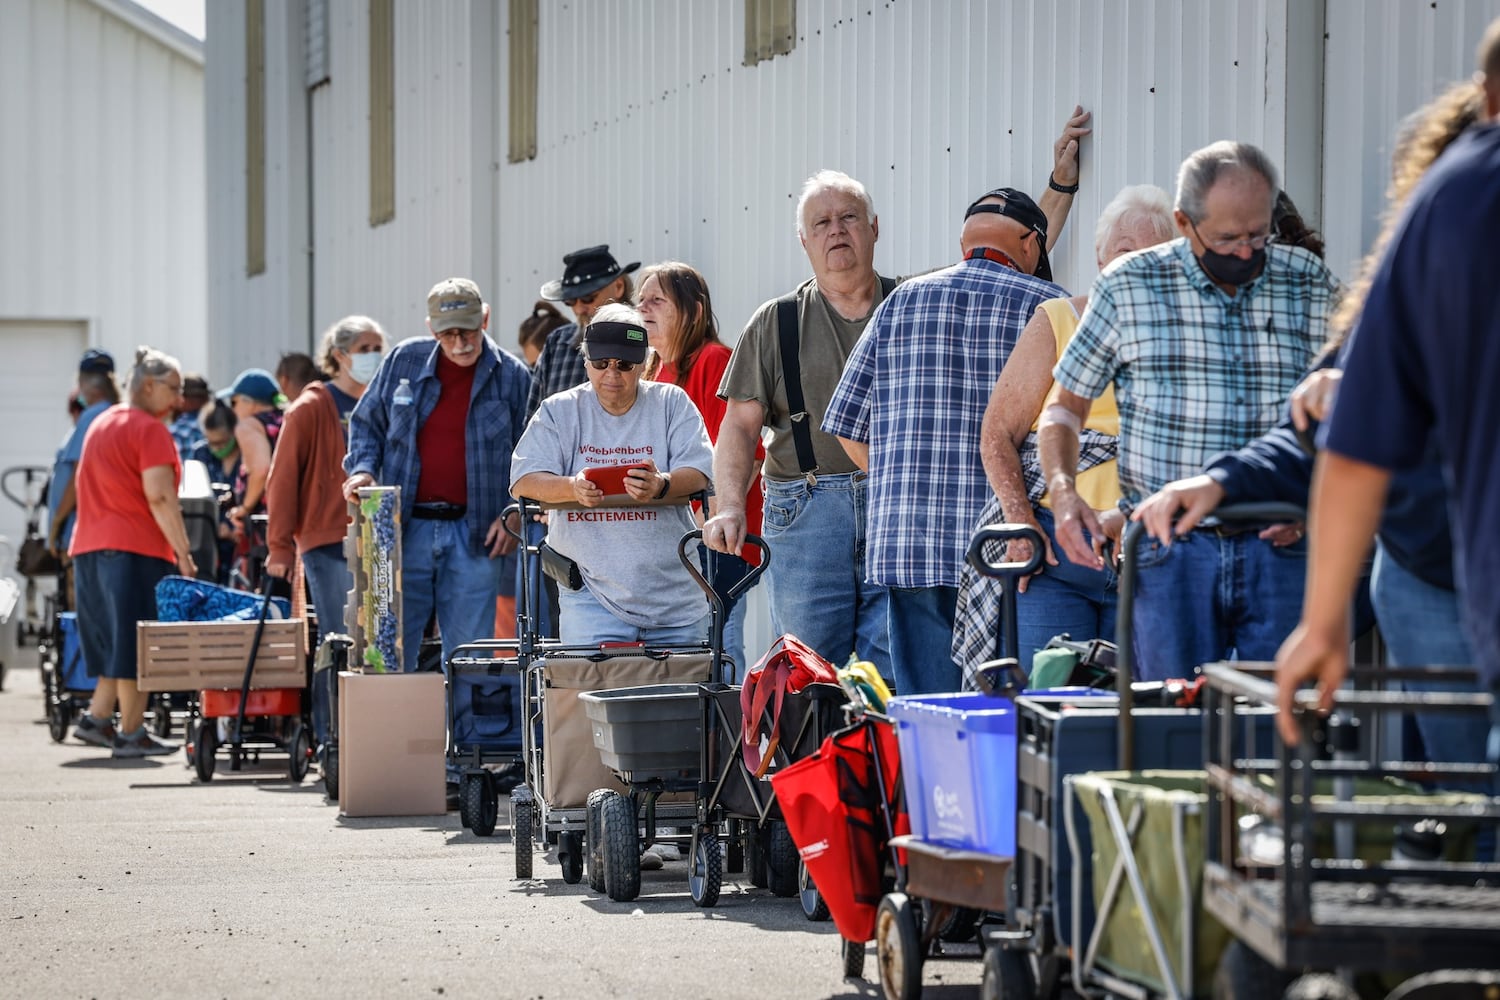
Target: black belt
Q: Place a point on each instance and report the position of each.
(439, 511)
(1232, 529)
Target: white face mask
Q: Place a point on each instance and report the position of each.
(362, 367)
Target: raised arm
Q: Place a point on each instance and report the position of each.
(1056, 204)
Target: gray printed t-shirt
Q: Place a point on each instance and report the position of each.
(755, 372)
(627, 555)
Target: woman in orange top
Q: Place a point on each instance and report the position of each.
(680, 323)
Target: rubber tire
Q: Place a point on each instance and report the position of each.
(1448, 984)
(1244, 975)
(705, 868)
(331, 773)
(853, 955)
(593, 835)
(570, 856)
(57, 719)
(781, 861)
(206, 750)
(522, 814)
(465, 785)
(485, 812)
(1326, 986)
(1007, 975)
(960, 926)
(622, 848)
(734, 857)
(161, 716)
(898, 947)
(299, 753)
(757, 843)
(813, 907)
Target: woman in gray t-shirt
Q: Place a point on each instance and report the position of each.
(621, 530)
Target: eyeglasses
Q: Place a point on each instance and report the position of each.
(1230, 246)
(456, 335)
(586, 300)
(176, 387)
(604, 364)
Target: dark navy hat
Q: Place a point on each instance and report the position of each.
(1019, 206)
(96, 362)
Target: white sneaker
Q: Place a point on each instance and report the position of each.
(667, 852)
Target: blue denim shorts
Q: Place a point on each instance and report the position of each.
(114, 591)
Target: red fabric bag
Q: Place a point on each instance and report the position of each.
(832, 806)
(788, 667)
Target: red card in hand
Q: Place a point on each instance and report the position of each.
(611, 478)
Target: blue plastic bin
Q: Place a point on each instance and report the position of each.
(958, 766)
(72, 675)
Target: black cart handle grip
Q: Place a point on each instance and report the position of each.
(1001, 533)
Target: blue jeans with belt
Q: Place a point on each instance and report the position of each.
(815, 582)
(1064, 598)
(1213, 596)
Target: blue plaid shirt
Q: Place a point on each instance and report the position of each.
(915, 389)
(383, 436)
(1195, 371)
(559, 367)
(187, 434)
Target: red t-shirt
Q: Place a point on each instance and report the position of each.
(440, 441)
(702, 387)
(122, 443)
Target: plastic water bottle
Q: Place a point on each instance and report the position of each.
(403, 395)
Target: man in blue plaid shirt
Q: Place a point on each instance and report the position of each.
(908, 410)
(440, 420)
(1203, 339)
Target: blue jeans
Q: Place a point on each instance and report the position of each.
(586, 622)
(441, 571)
(921, 637)
(816, 580)
(1206, 598)
(330, 581)
(1421, 627)
(1064, 598)
(723, 572)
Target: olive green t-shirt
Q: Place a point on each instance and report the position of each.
(754, 373)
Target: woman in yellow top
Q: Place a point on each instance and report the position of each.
(1061, 597)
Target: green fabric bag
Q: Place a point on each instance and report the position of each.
(1052, 668)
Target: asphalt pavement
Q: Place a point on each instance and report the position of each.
(132, 879)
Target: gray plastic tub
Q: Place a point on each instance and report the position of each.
(646, 732)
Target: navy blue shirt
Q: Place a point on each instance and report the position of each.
(1425, 360)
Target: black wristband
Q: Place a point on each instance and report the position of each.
(666, 484)
(1059, 188)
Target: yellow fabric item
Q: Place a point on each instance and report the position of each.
(1100, 486)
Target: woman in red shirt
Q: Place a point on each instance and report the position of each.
(128, 536)
(679, 317)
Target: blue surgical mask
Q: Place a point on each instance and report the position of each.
(362, 367)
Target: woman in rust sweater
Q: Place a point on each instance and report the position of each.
(308, 515)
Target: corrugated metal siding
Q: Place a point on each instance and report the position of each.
(1385, 58)
(101, 180)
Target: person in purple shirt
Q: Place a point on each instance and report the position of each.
(1421, 365)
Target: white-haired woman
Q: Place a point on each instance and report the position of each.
(304, 491)
(129, 535)
(1061, 597)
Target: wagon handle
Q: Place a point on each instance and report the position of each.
(716, 629)
(1007, 573)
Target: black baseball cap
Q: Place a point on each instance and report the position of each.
(96, 362)
(1019, 206)
(624, 341)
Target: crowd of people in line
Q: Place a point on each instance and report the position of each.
(865, 425)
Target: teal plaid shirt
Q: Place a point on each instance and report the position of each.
(1195, 372)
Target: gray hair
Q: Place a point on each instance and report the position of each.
(1205, 166)
(617, 312)
(149, 363)
(341, 337)
(833, 180)
(1146, 202)
(98, 385)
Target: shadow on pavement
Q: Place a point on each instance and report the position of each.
(106, 762)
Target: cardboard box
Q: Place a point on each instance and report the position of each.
(199, 656)
(373, 549)
(392, 733)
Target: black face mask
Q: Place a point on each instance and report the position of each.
(1229, 269)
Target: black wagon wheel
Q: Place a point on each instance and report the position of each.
(205, 750)
(960, 925)
(898, 947)
(331, 771)
(161, 715)
(483, 804)
(522, 816)
(593, 847)
(58, 718)
(781, 860)
(813, 907)
(299, 752)
(1007, 975)
(622, 848)
(465, 808)
(1243, 975)
(706, 867)
(570, 856)
(853, 955)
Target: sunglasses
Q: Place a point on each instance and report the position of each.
(587, 300)
(604, 364)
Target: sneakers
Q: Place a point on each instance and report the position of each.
(142, 744)
(94, 732)
(667, 852)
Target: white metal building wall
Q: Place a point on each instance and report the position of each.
(102, 177)
(1385, 59)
